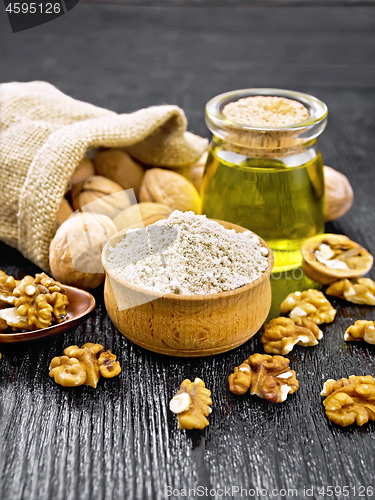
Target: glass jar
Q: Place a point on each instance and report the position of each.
(267, 179)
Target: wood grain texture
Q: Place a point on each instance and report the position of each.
(120, 440)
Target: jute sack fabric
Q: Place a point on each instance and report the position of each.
(43, 136)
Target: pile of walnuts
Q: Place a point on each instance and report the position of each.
(31, 303)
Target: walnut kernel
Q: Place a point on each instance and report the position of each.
(67, 372)
(84, 365)
(359, 291)
(7, 285)
(41, 300)
(268, 377)
(108, 366)
(310, 304)
(350, 400)
(87, 356)
(192, 404)
(361, 330)
(282, 334)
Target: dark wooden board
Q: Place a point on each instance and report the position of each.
(120, 440)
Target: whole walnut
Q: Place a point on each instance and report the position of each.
(75, 251)
(121, 168)
(64, 212)
(338, 194)
(101, 196)
(84, 170)
(171, 189)
(141, 215)
(197, 171)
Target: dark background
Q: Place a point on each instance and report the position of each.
(120, 440)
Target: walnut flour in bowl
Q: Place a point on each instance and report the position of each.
(188, 254)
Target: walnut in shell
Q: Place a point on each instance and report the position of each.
(118, 166)
(282, 334)
(141, 215)
(338, 194)
(192, 404)
(360, 291)
(361, 330)
(350, 400)
(309, 304)
(75, 251)
(84, 170)
(197, 171)
(268, 377)
(171, 189)
(64, 212)
(330, 257)
(100, 195)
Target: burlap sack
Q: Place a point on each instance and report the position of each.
(43, 136)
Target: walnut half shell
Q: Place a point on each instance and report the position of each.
(330, 257)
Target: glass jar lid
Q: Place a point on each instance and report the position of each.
(266, 138)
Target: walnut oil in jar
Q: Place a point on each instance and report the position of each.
(264, 170)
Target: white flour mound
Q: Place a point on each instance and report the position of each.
(198, 256)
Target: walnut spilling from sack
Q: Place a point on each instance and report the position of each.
(350, 400)
(282, 334)
(310, 304)
(361, 330)
(268, 377)
(38, 302)
(192, 404)
(83, 365)
(359, 291)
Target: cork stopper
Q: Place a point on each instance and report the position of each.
(266, 111)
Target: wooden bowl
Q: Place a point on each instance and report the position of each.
(188, 325)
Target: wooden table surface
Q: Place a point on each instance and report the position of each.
(120, 441)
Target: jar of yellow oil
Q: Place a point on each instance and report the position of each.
(264, 170)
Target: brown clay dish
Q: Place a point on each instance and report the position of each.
(189, 325)
(81, 303)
